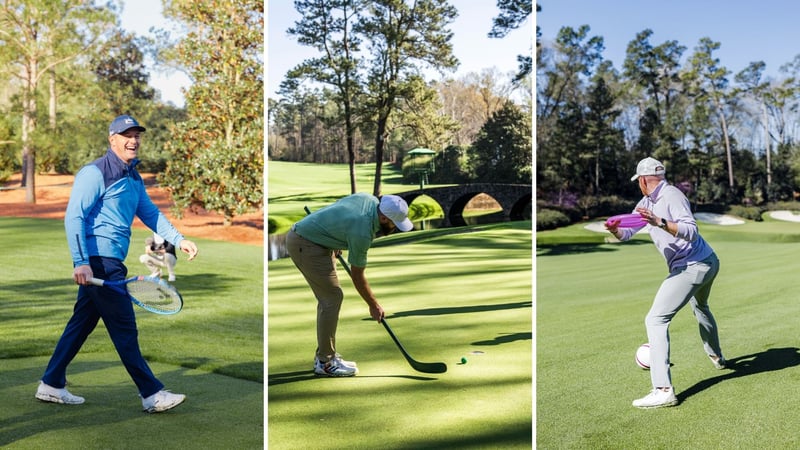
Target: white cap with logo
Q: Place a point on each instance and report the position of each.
(396, 209)
(648, 166)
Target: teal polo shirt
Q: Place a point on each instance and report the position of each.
(350, 223)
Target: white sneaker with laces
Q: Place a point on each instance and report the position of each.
(339, 357)
(47, 393)
(162, 401)
(719, 361)
(336, 367)
(657, 398)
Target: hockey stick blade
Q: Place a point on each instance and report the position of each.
(437, 367)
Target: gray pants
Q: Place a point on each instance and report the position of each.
(318, 266)
(690, 284)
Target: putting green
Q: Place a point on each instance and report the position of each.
(446, 296)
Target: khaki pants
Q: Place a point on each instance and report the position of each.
(318, 266)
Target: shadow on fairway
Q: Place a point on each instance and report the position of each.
(275, 379)
(578, 249)
(458, 310)
(113, 413)
(766, 361)
(506, 338)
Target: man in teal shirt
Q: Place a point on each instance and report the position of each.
(314, 243)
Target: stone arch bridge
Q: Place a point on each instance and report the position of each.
(515, 199)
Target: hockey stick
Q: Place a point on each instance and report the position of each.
(435, 367)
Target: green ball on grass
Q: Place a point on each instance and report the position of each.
(463, 360)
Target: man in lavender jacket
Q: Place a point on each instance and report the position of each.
(693, 266)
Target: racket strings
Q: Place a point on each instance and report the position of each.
(155, 296)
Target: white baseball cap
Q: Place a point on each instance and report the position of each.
(648, 166)
(396, 209)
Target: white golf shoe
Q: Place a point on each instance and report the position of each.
(162, 401)
(336, 367)
(47, 393)
(719, 362)
(657, 398)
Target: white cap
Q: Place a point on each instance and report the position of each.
(648, 166)
(158, 239)
(396, 209)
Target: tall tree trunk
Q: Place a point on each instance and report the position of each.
(53, 99)
(727, 140)
(28, 128)
(351, 151)
(767, 144)
(380, 137)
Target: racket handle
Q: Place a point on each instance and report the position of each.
(96, 281)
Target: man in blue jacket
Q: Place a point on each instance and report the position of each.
(105, 197)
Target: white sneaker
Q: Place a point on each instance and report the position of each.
(657, 398)
(334, 368)
(162, 401)
(47, 393)
(719, 361)
(341, 361)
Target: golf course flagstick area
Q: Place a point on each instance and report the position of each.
(592, 298)
(449, 293)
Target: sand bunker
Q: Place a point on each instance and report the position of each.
(718, 219)
(785, 215)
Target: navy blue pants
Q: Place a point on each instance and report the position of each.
(116, 310)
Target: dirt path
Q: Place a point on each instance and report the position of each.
(52, 194)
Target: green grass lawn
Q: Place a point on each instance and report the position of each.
(591, 300)
(212, 350)
(293, 186)
(448, 293)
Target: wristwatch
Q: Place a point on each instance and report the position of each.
(663, 224)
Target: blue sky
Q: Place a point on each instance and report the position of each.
(470, 44)
(748, 31)
(138, 16)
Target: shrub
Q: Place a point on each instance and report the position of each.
(783, 206)
(746, 212)
(612, 205)
(548, 219)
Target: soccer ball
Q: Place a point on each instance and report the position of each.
(643, 356)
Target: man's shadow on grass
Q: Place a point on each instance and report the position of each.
(274, 379)
(767, 361)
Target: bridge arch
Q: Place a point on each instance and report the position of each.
(515, 199)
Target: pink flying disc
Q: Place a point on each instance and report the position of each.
(628, 220)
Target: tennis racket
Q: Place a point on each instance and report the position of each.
(150, 293)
